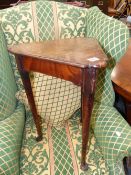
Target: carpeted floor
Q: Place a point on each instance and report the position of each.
(59, 152)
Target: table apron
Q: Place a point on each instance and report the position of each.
(59, 70)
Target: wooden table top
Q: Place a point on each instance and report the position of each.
(79, 52)
(121, 75)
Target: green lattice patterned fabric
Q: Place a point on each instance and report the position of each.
(7, 82)
(11, 130)
(59, 152)
(11, 118)
(113, 135)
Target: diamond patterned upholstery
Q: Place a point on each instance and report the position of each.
(7, 82)
(42, 20)
(45, 21)
(64, 163)
(11, 130)
(11, 116)
(55, 98)
(113, 37)
(113, 134)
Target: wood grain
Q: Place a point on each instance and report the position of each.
(76, 51)
(121, 75)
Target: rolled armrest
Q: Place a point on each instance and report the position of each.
(112, 34)
(113, 134)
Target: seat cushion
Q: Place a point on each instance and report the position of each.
(56, 99)
(59, 153)
(11, 131)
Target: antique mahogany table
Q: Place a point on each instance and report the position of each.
(76, 60)
(121, 77)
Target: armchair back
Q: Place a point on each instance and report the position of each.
(56, 99)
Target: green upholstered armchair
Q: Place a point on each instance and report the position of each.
(57, 100)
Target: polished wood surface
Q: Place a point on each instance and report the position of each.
(68, 51)
(9, 3)
(112, 3)
(121, 74)
(76, 60)
(121, 77)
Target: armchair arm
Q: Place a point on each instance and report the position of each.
(113, 37)
(112, 34)
(113, 135)
(7, 82)
(111, 130)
